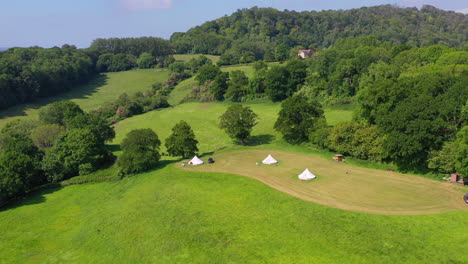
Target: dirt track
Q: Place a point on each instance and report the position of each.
(340, 185)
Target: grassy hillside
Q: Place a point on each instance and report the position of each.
(104, 88)
(187, 57)
(170, 215)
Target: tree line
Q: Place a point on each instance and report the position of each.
(271, 35)
(27, 74)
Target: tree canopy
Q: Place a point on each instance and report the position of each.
(238, 122)
(182, 141)
(298, 118)
(269, 34)
(140, 151)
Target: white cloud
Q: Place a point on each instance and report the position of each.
(463, 11)
(133, 5)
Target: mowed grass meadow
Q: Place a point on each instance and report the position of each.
(172, 215)
(103, 88)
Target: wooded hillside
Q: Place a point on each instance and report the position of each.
(269, 33)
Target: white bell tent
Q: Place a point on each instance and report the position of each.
(307, 175)
(195, 161)
(269, 160)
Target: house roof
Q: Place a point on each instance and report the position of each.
(308, 52)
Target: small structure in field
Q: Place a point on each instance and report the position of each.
(306, 175)
(454, 177)
(304, 53)
(269, 160)
(339, 158)
(211, 160)
(195, 161)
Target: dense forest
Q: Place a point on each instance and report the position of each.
(269, 34)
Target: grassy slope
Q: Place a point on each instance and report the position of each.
(187, 57)
(104, 88)
(172, 216)
(175, 216)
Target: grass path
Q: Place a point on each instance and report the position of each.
(340, 185)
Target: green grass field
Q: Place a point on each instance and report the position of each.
(191, 215)
(104, 88)
(187, 57)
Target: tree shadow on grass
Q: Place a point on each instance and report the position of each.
(113, 147)
(77, 92)
(35, 196)
(260, 140)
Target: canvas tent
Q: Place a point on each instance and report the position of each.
(307, 175)
(195, 161)
(269, 160)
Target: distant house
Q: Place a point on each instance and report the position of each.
(305, 53)
(457, 178)
(338, 158)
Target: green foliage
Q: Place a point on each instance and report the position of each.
(237, 86)
(417, 111)
(194, 64)
(207, 73)
(453, 157)
(59, 112)
(44, 136)
(177, 66)
(140, 151)
(182, 141)
(337, 72)
(220, 85)
(17, 172)
(260, 65)
(73, 148)
(156, 47)
(19, 127)
(269, 34)
(238, 122)
(94, 123)
(298, 118)
(257, 85)
(461, 164)
(114, 62)
(27, 74)
(358, 140)
(276, 81)
(145, 61)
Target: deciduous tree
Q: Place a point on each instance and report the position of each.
(182, 141)
(238, 122)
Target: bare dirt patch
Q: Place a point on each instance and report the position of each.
(340, 185)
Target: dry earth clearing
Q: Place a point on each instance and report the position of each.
(340, 185)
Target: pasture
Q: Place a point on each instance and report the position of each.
(103, 88)
(174, 216)
(340, 185)
(187, 57)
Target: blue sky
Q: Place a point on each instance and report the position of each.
(50, 23)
